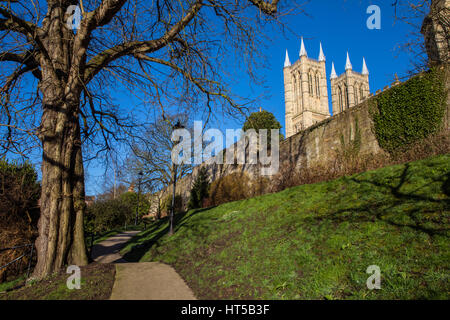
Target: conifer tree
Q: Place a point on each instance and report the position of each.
(199, 190)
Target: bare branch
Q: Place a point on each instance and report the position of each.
(28, 59)
(135, 47)
(269, 8)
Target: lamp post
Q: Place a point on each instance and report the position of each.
(174, 169)
(139, 193)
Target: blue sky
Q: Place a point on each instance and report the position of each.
(341, 27)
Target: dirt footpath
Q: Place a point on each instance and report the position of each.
(142, 280)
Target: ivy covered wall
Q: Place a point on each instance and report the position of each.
(410, 111)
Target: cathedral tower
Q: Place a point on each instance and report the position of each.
(305, 91)
(350, 88)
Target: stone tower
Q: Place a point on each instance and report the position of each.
(305, 91)
(350, 88)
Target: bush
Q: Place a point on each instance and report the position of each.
(105, 215)
(199, 190)
(19, 210)
(131, 200)
(166, 206)
(233, 187)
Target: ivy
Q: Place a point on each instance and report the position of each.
(409, 112)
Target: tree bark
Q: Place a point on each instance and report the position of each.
(61, 234)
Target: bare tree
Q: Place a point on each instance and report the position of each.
(56, 85)
(429, 41)
(152, 155)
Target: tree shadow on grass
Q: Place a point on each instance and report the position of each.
(396, 208)
(154, 233)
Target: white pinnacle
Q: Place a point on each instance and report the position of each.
(321, 55)
(348, 64)
(287, 62)
(333, 72)
(303, 50)
(365, 71)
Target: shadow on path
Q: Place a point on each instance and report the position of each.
(107, 251)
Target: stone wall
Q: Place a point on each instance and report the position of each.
(315, 146)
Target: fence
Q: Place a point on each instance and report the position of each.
(18, 262)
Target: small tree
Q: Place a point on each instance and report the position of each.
(131, 200)
(262, 120)
(199, 190)
(152, 155)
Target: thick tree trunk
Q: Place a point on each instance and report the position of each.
(61, 234)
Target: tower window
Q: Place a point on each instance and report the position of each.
(340, 99)
(317, 85)
(361, 92)
(346, 96)
(355, 92)
(310, 82)
(296, 97)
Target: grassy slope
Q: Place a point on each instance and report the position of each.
(316, 241)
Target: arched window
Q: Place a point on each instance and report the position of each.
(340, 99)
(346, 96)
(310, 82)
(295, 92)
(318, 85)
(361, 92)
(300, 93)
(355, 93)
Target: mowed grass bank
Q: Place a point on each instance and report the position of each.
(317, 241)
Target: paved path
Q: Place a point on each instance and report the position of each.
(149, 281)
(107, 251)
(143, 280)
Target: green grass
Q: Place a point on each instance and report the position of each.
(316, 241)
(5, 286)
(96, 284)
